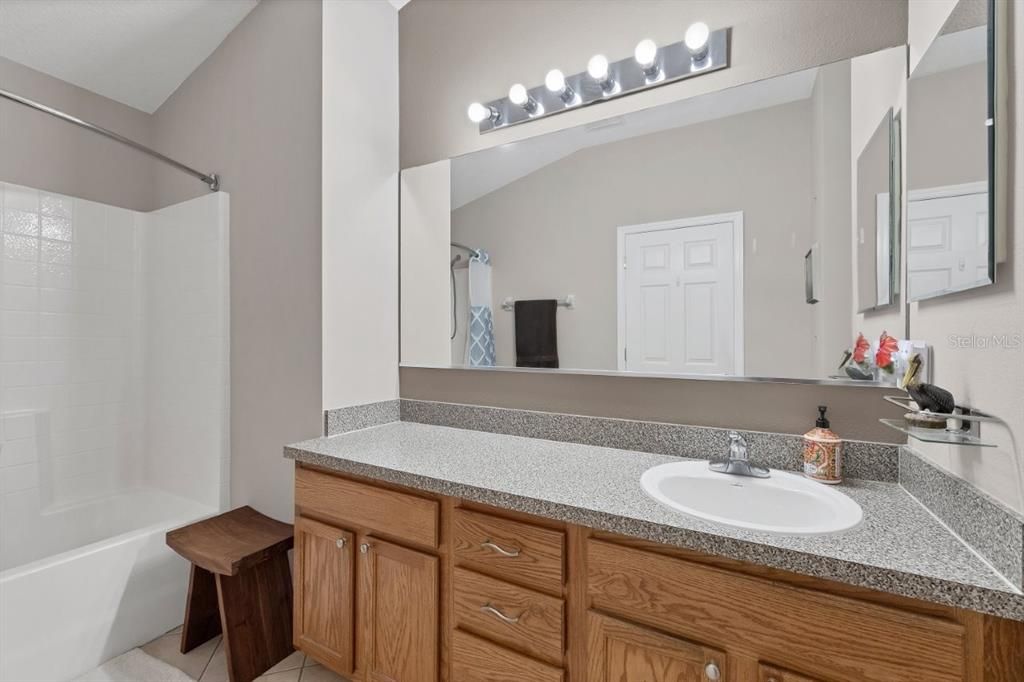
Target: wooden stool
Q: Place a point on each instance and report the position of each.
(240, 585)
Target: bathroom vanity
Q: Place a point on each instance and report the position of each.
(429, 553)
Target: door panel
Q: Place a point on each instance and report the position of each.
(679, 306)
(324, 597)
(399, 612)
(947, 243)
(623, 652)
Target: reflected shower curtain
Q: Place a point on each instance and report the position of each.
(480, 335)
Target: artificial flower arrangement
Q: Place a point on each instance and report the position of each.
(885, 356)
(881, 365)
(860, 354)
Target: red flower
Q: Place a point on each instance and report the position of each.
(860, 349)
(887, 345)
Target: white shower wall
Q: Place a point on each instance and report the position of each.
(187, 349)
(113, 359)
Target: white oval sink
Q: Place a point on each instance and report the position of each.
(784, 504)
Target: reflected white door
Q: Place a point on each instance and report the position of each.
(678, 298)
(947, 247)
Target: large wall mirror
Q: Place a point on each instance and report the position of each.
(711, 236)
(952, 236)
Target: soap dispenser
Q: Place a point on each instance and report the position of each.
(823, 451)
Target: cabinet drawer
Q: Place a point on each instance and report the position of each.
(518, 551)
(358, 505)
(821, 635)
(517, 617)
(477, 660)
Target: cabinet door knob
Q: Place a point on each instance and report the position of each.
(340, 543)
(364, 548)
(712, 672)
(488, 544)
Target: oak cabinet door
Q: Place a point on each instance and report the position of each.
(324, 593)
(399, 613)
(623, 652)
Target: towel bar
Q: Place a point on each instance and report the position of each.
(570, 302)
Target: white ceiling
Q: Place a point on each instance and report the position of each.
(953, 50)
(480, 173)
(134, 51)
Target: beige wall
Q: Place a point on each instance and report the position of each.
(924, 22)
(426, 211)
(548, 236)
(360, 203)
(252, 112)
(989, 377)
(853, 410)
(947, 143)
(454, 52)
(877, 83)
(830, 123)
(41, 151)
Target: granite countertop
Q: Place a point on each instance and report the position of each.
(899, 548)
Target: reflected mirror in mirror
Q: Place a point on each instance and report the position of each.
(708, 236)
(951, 240)
(878, 215)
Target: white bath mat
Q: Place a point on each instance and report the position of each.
(134, 666)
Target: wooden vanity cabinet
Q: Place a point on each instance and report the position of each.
(398, 612)
(618, 650)
(324, 593)
(367, 579)
(394, 585)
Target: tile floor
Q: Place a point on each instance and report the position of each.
(206, 663)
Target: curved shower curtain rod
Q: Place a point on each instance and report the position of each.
(211, 179)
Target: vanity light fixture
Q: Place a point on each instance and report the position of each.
(478, 113)
(521, 97)
(597, 68)
(555, 83)
(696, 40)
(646, 56)
(700, 50)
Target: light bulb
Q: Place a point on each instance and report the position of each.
(696, 40)
(555, 81)
(646, 53)
(597, 67)
(518, 95)
(478, 113)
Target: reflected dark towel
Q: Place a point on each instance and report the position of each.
(536, 333)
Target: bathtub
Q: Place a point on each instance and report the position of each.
(64, 614)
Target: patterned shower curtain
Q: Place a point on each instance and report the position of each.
(480, 335)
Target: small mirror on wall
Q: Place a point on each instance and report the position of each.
(951, 228)
(878, 217)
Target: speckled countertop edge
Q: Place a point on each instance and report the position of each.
(917, 558)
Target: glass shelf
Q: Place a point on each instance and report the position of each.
(936, 435)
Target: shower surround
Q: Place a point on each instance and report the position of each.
(114, 418)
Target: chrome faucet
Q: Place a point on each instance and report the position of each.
(738, 462)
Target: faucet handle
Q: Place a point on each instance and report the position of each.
(737, 446)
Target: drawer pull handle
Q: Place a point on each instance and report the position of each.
(488, 544)
(712, 672)
(487, 608)
(340, 543)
